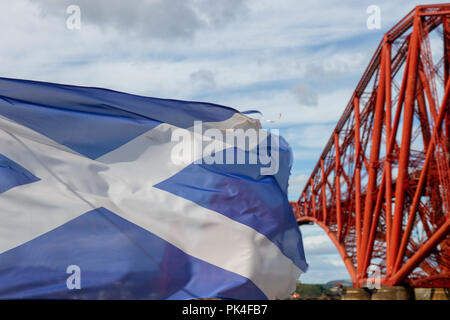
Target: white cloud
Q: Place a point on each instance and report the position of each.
(319, 244)
(220, 13)
(310, 135)
(271, 103)
(158, 19)
(306, 154)
(325, 263)
(257, 50)
(306, 95)
(203, 78)
(296, 184)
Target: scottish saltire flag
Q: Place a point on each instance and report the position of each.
(99, 199)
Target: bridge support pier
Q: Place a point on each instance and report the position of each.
(397, 293)
(356, 294)
(432, 293)
(393, 293)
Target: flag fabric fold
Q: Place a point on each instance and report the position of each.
(96, 204)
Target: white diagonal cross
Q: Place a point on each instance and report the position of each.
(122, 182)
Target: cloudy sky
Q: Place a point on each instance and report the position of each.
(301, 59)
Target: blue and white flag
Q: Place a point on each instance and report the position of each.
(107, 195)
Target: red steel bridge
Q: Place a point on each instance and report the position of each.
(381, 188)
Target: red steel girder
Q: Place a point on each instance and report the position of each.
(381, 188)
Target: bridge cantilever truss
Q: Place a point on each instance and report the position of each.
(381, 187)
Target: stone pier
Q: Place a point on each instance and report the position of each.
(356, 294)
(432, 293)
(397, 293)
(393, 293)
